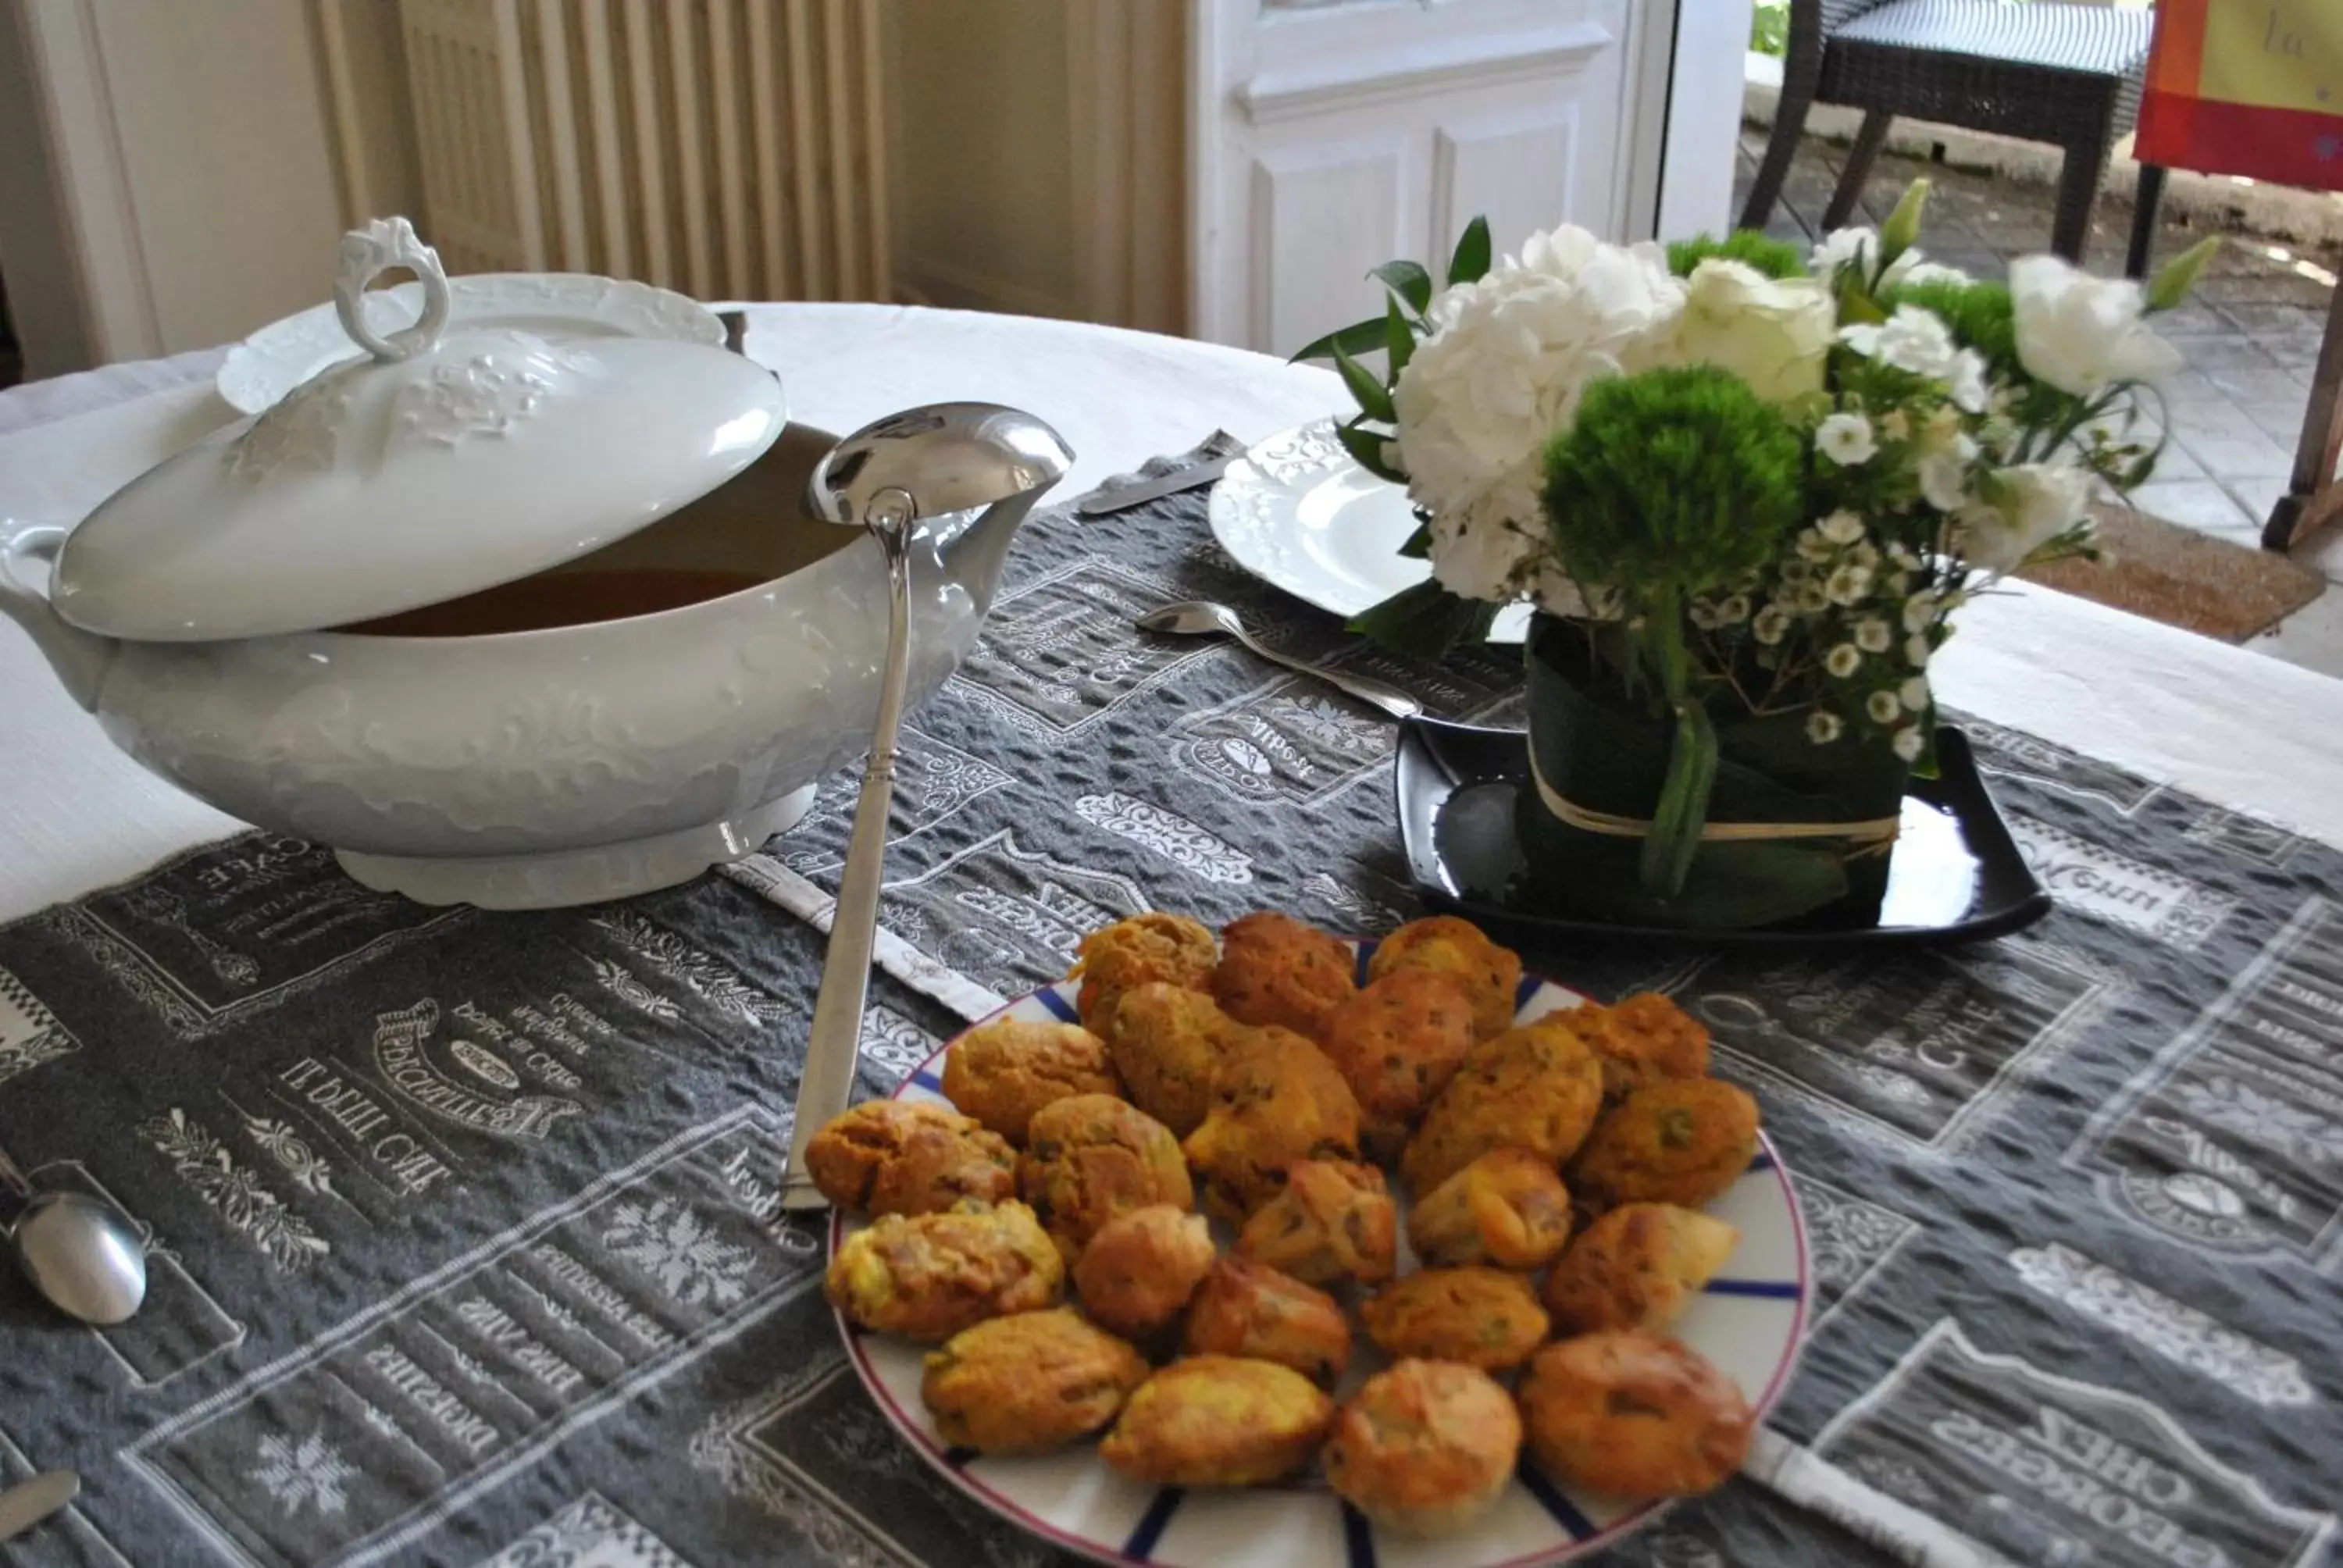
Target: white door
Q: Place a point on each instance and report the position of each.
(1331, 138)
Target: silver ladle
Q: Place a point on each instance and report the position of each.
(81, 1254)
(887, 478)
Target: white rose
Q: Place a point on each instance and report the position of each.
(2020, 509)
(1774, 335)
(2081, 333)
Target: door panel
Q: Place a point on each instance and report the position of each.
(1331, 138)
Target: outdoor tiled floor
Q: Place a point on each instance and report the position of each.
(2250, 337)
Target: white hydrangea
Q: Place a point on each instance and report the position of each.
(1504, 370)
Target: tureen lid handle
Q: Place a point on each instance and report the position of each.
(367, 254)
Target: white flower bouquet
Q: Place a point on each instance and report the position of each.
(1747, 490)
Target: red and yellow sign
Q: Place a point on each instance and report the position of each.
(2250, 87)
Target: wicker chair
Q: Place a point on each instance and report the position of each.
(2064, 74)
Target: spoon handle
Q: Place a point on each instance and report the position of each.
(1367, 689)
(835, 1041)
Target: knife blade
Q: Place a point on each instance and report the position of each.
(1195, 478)
(27, 1503)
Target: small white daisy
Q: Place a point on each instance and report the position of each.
(1913, 693)
(1919, 611)
(1734, 610)
(1896, 425)
(1846, 439)
(1917, 648)
(1840, 528)
(1883, 707)
(1907, 743)
(1844, 660)
(1796, 571)
(1849, 584)
(1771, 625)
(1813, 547)
(1702, 614)
(1873, 635)
(1821, 728)
(1944, 481)
(1865, 554)
(1813, 598)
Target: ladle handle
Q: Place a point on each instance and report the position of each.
(835, 1041)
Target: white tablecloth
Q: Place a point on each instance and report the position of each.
(74, 814)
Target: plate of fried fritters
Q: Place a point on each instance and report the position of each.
(1275, 1248)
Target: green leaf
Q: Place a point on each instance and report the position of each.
(1358, 338)
(1419, 543)
(1366, 448)
(1373, 397)
(1471, 261)
(1857, 307)
(2174, 279)
(1901, 229)
(1683, 810)
(1408, 280)
(1426, 621)
(1399, 341)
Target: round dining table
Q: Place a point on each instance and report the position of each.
(2249, 731)
(2047, 1291)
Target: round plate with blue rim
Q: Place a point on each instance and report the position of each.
(1750, 1323)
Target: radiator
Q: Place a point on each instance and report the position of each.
(728, 148)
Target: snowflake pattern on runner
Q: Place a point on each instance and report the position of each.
(669, 1242)
(621, 983)
(309, 1474)
(708, 977)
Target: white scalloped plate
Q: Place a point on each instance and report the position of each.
(1750, 1323)
(1300, 513)
(284, 354)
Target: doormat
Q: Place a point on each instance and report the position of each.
(2183, 577)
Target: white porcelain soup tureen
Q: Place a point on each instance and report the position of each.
(507, 618)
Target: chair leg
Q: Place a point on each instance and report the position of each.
(1781, 147)
(2143, 220)
(1859, 157)
(2078, 193)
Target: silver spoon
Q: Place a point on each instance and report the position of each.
(1198, 617)
(887, 476)
(82, 1254)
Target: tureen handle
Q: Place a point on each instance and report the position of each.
(367, 254)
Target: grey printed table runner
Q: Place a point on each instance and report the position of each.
(466, 1247)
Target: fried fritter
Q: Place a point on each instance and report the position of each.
(1169, 1044)
(1641, 1039)
(1139, 1269)
(1507, 1208)
(1248, 1309)
(1397, 1042)
(1484, 1318)
(1029, 1384)
(1090, 1157)
(1219, 1421)
(1276, 970)
(1633, 1416)
(1129, 953)
(1492, 973)
(907, 1157)
(1636, 1267)
(1003, 1071)
(929, 1276)
(1424, 1446)
(1536, 1087)
(1335, 1220)
(1677, 1141)
(1276, 1101)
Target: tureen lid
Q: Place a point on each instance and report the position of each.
(446, 461)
